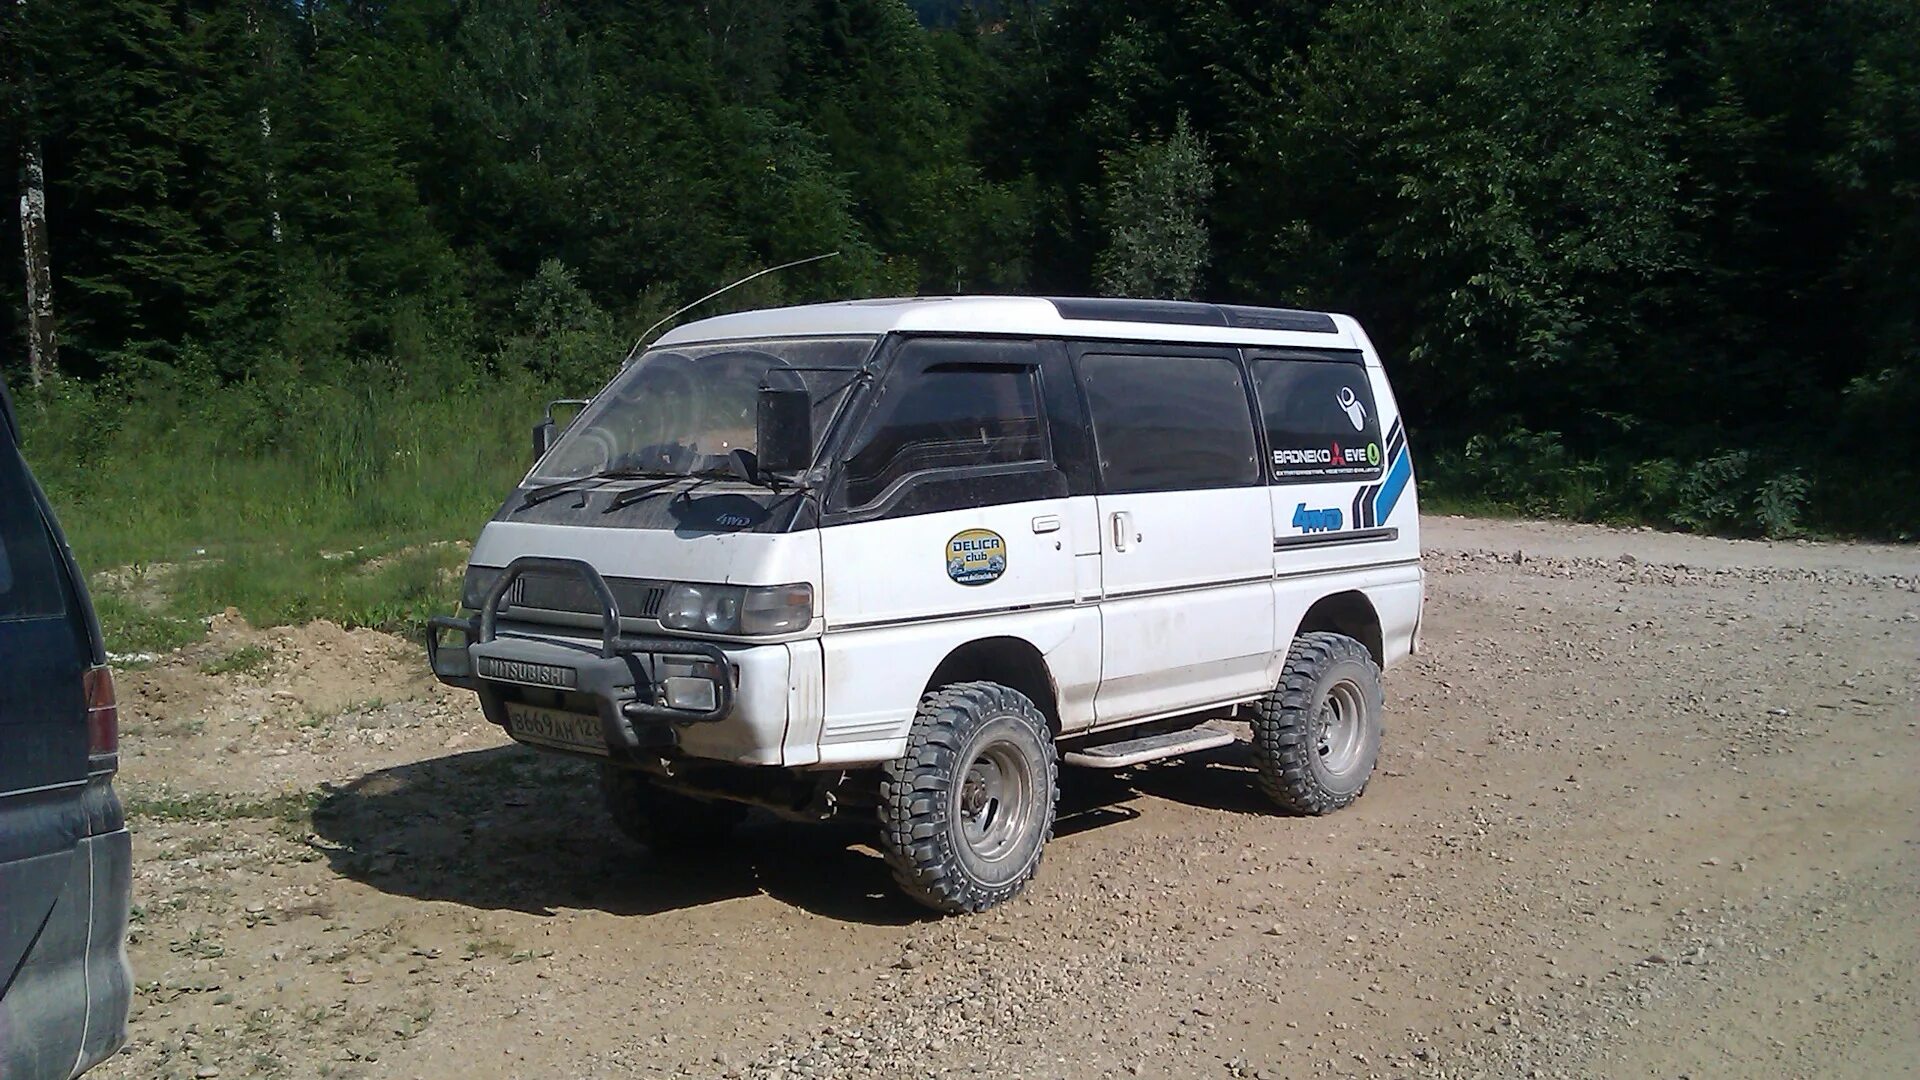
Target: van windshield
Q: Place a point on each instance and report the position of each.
(681, 410)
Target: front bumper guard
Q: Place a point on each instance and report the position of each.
(622, 676)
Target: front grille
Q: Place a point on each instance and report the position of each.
(571, 593)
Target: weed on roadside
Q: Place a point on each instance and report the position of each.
(137, 635)
(290, 807)
(245, 660)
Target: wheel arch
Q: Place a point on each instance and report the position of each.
(1013, 662)
(1349, 613)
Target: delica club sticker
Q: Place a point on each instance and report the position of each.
(976, 557)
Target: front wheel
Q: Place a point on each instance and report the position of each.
(965, 812)
(1317, 735)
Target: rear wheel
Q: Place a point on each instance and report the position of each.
(965, 812)
(667, 822)
(1317, 735)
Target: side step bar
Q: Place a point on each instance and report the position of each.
(1166, 744)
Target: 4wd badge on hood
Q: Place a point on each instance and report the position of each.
(976, 557)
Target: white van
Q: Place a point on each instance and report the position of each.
(904, 557)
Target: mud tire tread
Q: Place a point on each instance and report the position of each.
(1283, 724)
(915, 794)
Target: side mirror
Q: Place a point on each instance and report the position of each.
(783, 430)
(548, 430)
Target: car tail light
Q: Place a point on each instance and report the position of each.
(103, 712)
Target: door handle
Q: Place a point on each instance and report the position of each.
(1046, 523)
(1123, 530)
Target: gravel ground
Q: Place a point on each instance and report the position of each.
(1648, 808)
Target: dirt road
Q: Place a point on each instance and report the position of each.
(1650, 806)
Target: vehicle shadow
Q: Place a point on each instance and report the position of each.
(508, 828)
(1223, 778)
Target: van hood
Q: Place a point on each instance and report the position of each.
(729, 558)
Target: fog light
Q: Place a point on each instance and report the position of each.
(693, 695)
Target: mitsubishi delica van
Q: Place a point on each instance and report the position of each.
(904, 558)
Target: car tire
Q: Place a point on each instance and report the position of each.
(1316, 736)
(967, 810)
(667, 822)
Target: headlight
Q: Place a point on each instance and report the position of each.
(479, 582)
(737, 609)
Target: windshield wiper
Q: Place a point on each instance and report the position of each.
(633, 495)
(757, 479)
(561, 487)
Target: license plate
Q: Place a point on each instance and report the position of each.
(551, 727)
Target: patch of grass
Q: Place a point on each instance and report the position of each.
(488, 944)
(133, 630)
(280, 587)
(244, 660)
(199, 944)
(410, 1022)
(164, 729)
(260, 490)
(299, 468)
(203, 807)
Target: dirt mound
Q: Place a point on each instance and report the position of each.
(318, 668)
(310, 701)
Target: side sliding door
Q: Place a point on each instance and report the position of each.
(1186, 606)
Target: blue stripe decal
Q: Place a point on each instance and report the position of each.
(1396, 482)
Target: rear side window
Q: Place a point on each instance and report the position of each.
(949, 404)
(1321, 423)
(1168, 423)
(29, 569)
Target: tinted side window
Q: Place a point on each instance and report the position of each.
(29, 569)
(1170, 423)
(948, 404)
(1321, 423)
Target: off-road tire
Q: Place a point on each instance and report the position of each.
(1325, 674)
(941, 833)
(667, 822)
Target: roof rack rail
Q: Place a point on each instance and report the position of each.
(1191, 313)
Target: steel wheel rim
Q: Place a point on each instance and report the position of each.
(1340, 728)
(995, 800)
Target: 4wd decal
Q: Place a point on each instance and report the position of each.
(1375, 502)
(1314, 521)
(976, 557)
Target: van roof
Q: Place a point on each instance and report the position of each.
(1071, 317)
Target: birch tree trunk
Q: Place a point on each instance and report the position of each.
(253, 18)
(43, 345)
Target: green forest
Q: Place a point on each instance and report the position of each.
(293, 276)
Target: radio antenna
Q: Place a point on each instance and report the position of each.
(725, 289)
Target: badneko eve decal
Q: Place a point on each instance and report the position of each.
(1341, 454)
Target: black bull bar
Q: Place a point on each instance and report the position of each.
(634, 715)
